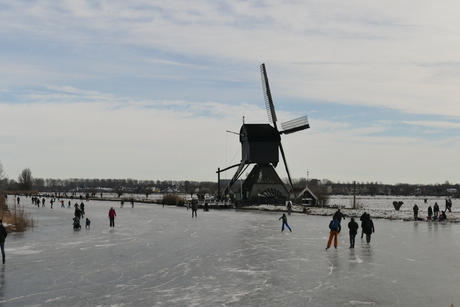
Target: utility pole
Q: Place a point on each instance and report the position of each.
(354, 194)
(218, 183)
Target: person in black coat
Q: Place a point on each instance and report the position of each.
(3, 235)
(353, 226)
(338, 216)
(364, 217)
(368, 229)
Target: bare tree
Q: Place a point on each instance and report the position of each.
(25, 179)
(147, 191)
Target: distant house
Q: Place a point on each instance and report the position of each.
(305, 196)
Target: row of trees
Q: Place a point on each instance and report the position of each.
(26, 181)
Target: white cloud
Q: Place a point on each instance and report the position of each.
(133, 83)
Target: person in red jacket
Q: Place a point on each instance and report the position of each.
(112, 215)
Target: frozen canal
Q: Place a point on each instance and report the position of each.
(162, 257)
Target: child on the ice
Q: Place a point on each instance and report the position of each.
(284, 222)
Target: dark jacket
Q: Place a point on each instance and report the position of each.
(368, 227)
(353, 226)
(338, 215)
(3, 234)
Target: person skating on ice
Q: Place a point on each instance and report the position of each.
(112, 215)
(353, 227)
(284, 217)
(335, 228)
(3, 235)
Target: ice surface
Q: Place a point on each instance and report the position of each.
(159, 256)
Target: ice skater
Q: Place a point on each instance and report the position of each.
(368, 230)
(289, 207)
(353, 226)
(3, 235)
(284, 217)
(112, 215)
(82, 209)
(364, 217)
(335, 228)
(338, 215)
(415, 208)
(88, 223)
(194, 208)
(436, 209)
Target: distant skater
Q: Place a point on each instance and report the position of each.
(112, 215)
(3, 235)
(289, 207)
(364, 217)
(62, 204)
(78, 212)
(436, 209)
(88, 223)
(415, 208)
(368, 230)
(132, 202)
(70, 205)
(122, 203)
(194, 208)
(335, 228)
(82, 209)
(430, 213)
(284, 222)
(353, 226)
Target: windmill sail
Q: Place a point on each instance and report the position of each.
(287, 170)
(295, 125)
(268, 96)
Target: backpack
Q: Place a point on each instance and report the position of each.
(335, 225)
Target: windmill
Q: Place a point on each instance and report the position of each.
(260, 145)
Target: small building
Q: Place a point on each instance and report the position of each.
(305, 196)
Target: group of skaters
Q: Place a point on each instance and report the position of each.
(434, 213)
(122, 203)
(367, 228)
(80, 214)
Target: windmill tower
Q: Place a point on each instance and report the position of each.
(260, 145)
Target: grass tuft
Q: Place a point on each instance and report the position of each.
(16, 219)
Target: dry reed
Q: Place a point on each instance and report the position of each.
(15, 219)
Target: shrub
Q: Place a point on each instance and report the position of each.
(172, 199)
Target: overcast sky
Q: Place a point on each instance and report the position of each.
(147, 89)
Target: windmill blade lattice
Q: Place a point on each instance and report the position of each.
(268, 96)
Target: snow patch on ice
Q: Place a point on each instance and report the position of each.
(54, 299)
(25, 250)
(360, 303)
(356, 260)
